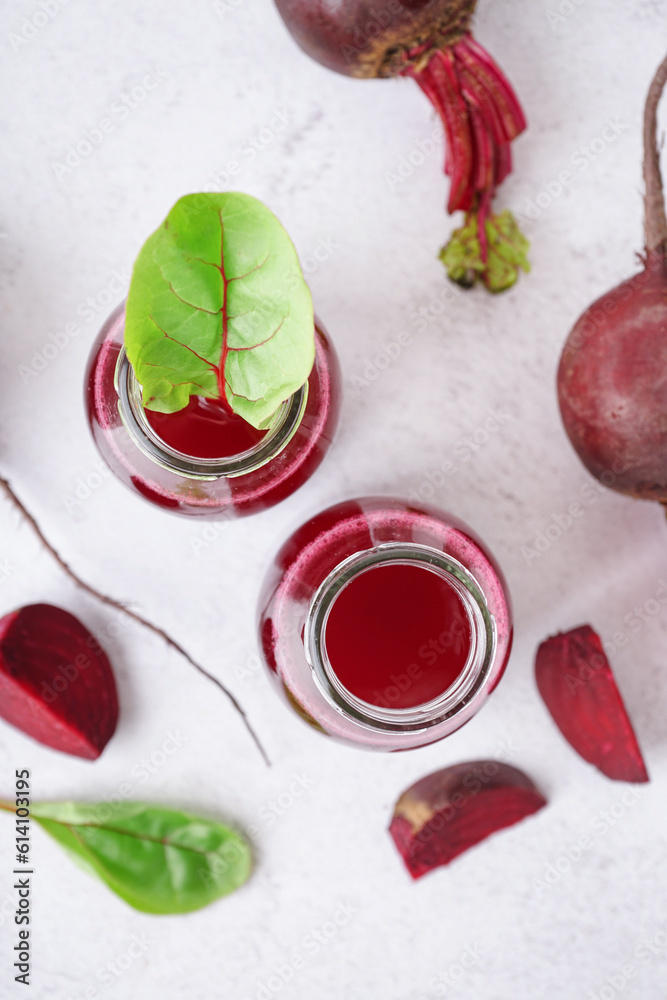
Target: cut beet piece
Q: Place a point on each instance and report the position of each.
(578, 687)
(56, 683)
(449, 811)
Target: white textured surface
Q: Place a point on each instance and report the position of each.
(324, 175)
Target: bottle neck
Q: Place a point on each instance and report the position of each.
(474, 675)
(132, 413)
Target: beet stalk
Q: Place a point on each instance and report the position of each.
(578, 687)
(612, 379)
(449, 811)
(430, 41)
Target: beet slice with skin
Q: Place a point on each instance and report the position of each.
(56, 683)
(451, 810)
(578, 687)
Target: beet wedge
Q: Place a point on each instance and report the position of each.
(575, 680)
(56, 683)
(449, 811)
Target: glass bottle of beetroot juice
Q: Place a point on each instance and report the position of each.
(384, 624)
(214, 391)
(204, 460)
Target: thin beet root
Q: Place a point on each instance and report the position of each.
(451, 810)
(56, 683)
(430, 41)
(612, 379)
(578, 687)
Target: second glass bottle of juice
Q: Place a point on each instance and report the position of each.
(384, 624)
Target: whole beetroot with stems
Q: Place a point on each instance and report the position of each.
(612, 379)
(431, 41)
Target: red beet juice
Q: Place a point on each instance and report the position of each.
(205, 428)
(398, 635)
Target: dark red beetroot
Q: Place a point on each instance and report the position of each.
(612, 380)
(451, 810)
(430, 41)
(575, 680)
(56, 683)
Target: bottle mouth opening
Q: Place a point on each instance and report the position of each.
(470, 681)
(132, 413)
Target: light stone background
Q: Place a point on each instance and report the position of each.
(223, 76)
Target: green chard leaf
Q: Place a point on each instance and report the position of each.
(158, 860)
(218, 307)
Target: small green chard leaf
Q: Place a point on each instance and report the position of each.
(158, 860)
(218, 307)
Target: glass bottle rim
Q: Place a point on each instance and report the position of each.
(132, 413)
(468, 685)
